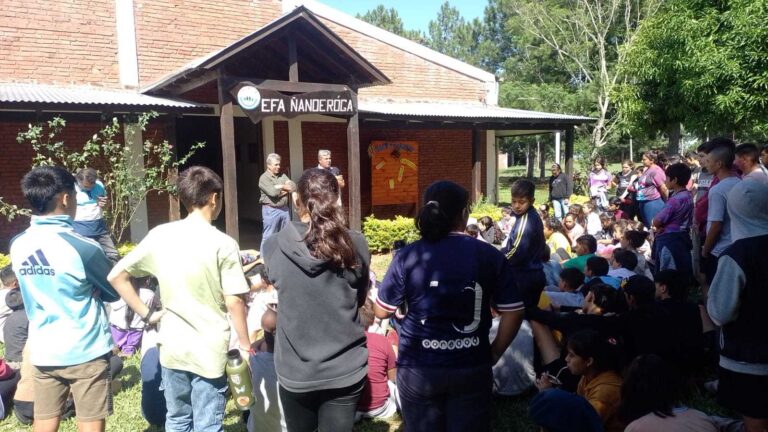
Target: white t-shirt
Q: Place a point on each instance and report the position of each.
(117, 315)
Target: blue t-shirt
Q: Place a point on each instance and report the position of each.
(59, 274)
(89, 221)
(449, 287)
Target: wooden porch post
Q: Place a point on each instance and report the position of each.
(476, 182)
(227, 123)
(569, 151)
(353, 178)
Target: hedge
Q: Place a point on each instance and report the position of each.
(381, 233)
(4, 260)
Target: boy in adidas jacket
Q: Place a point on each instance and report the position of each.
(525, 244)
(63, 281)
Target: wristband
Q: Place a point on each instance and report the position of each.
(148, 316)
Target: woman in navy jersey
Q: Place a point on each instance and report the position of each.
(449, 282)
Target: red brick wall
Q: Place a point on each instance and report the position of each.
(171, 34)
(413, 77)
(59, 42)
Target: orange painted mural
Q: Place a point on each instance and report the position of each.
(394, 172)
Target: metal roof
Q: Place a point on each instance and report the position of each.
(462, 111)
(15, 93)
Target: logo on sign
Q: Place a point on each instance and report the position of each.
(248, 97)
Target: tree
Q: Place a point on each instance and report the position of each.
(586, 37)
(700, 63)
(452, 35)
(128, 176)
(390, 20)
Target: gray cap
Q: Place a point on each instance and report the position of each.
(748, 209)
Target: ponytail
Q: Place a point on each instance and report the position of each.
(444, 203)
(327, 237)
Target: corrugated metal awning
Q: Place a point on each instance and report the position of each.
(31, 95)
(461, 111)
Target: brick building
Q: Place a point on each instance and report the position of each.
(419, 116)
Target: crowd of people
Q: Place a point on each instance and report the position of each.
(589, 306)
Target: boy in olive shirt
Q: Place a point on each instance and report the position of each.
(201, 279)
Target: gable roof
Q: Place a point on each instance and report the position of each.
(389, 38)
(323, 57)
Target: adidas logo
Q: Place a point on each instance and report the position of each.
(36, 264)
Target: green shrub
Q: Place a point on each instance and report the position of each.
(381, 233)
(578, 199)
(4, 260)
(484, 208)
(124, 248)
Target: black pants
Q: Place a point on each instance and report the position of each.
(446, 399)
(331, 410)
(530, 284)
(7, 389)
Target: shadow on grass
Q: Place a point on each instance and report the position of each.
(130, 376)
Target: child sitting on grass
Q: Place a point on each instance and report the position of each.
(127, 328)
(633, 240)
(596, 271)
(586, 246)
(379, 398)
(266, 415)
(596, 359)
(651, 396)
(623, 264)
(593, 219)
(569, 290)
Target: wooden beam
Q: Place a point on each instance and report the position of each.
(293, 60)
(174, 210)
(569, 152)
(288, 86)
(476, 167)
(229, 161)
(192, 83)
(353, 177)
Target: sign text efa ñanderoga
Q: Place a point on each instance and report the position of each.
(259, 103)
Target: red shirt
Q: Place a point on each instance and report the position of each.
(381, 358)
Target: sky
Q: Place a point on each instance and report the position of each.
(416, 14)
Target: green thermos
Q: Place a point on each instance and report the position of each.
(239, 378)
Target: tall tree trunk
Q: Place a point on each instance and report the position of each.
(542, 158)
(673, 133)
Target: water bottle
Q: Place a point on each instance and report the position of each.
(239, 379)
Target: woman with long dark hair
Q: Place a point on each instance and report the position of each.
(320, 270)
(449, 282)
(651, 192)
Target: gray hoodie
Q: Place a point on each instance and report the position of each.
(319, 344)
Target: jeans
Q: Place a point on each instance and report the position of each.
(649, 210)
(560, 208)
(445, 399)
(331, 410)
(274, 219)
(152, 400)
(194, 403)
